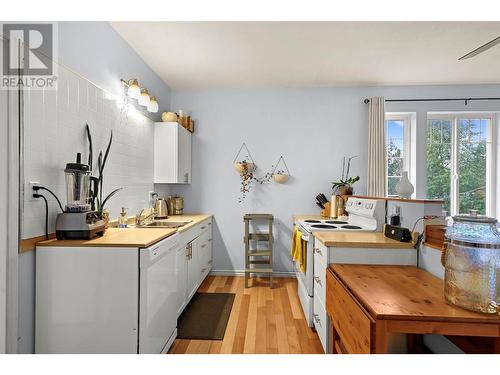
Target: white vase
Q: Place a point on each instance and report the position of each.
(404, 188)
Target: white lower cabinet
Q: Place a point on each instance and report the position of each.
(320, 317)
(118, 300)
(195, 261)
(181, 263)
(193, 268)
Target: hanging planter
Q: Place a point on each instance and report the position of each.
(245, 167)
(280, 176)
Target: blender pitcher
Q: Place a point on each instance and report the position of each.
(77, 186)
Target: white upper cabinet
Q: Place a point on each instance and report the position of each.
(172, 148)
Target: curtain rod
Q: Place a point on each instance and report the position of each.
(465, 100)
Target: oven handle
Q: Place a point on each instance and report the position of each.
(305, 237)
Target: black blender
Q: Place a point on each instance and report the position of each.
(78, 221)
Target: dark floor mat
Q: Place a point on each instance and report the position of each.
(205, 317)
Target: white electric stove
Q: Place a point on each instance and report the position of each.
(364, 215)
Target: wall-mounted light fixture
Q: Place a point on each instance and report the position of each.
(153, 105)
(144, 98)
(134, 91)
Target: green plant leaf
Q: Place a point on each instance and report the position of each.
(110, 195)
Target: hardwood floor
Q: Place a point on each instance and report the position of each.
(262, 321)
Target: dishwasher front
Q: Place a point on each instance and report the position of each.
(158, 296)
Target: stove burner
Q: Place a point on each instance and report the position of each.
(323, 226)
(351, 227)
(312, 221)
(335, 222)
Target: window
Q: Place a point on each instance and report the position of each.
(397, 148)
(458, 158)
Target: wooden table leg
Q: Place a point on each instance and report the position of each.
(414, 343)
(333, 337)
(380, 346)
(497, 345)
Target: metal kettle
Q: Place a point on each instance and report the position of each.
(161, 209)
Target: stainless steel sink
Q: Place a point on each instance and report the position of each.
(165, 224)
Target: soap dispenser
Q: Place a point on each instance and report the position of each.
(122, 219)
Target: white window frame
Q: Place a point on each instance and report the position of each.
(491, 157)
(407, 121)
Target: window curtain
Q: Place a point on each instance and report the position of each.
(376, 148)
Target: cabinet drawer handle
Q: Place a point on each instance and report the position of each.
(318, 251)
(202, 246)
(317, 319)
(203, 270)
(318, 280)
(203, 228)
(209, 262)
(209, 240)
(209, 224)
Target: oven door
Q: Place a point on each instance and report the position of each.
(305, 280)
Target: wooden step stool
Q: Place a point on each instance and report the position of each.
(263, 258)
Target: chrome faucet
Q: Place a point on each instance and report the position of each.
(146, 216)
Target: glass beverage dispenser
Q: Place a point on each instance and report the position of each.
(472, 263)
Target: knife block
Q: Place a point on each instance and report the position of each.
(326, 211)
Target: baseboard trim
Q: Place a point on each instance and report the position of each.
(242, 273)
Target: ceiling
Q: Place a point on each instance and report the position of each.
(298, 54)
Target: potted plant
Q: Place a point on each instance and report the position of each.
(346, 182)
(244, 167)
(97, 194)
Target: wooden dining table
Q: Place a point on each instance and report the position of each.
(367, 303)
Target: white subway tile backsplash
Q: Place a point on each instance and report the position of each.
(55, 132)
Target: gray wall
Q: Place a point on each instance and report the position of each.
(312, 128)
(97, 52)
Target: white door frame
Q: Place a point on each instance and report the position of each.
(10, 193)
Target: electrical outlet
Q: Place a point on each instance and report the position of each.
(30, 192)
(152, 195)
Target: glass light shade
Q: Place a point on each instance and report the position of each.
(153, 105)
(134, 91)
(144, 99)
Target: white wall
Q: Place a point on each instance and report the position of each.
(312, 128)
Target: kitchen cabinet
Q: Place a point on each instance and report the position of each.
(106, 299)
(193, 267)
(124, 297)
(172, 154)
(194, 262)
(181, 264)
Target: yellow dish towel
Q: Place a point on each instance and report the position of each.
(299, 248)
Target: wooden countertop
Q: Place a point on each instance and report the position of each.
(403, 293)
(359, 239)
(130, 237)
